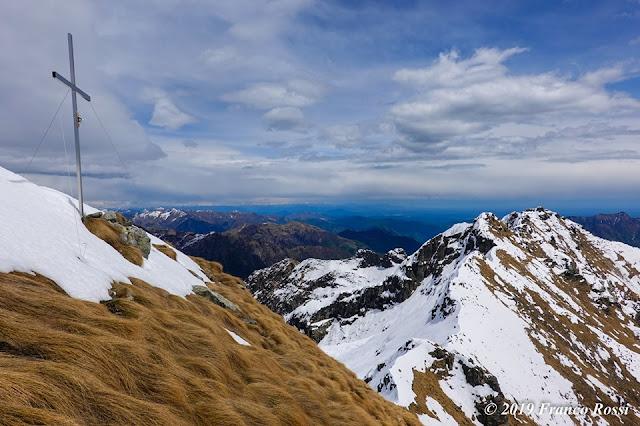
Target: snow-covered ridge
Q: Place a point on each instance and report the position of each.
(161, 213)
(532, 299)
(41, 232)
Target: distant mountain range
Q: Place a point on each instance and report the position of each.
(249, 247)
(244, 242)
(615, 227)
(198, 221)
(203, 221)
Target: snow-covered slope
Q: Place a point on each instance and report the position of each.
(530, 310)
(41, 232)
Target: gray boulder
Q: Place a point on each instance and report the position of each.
(216, 298)
(129, 233)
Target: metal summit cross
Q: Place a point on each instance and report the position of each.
(76, 118)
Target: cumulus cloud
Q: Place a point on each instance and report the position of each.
(283, 118)
(456, 100)
(449, 71)
(295, 93)
(167, 115)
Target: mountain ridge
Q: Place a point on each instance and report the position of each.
(254, 246)
(533, 300)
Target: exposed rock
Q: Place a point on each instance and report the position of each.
(250, 321)
(572, 273)
(386, 383)
(430, 259)
(318, 330)
(129, 233)
(216, 298)
(368, 258)
(397, 255)
(115, 217)
(478, 376)
(488, 417)
(446, 356)
(138, 238)
(468, 289)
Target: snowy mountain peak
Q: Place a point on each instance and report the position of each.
(530, 308)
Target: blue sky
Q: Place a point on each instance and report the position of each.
(489, 104)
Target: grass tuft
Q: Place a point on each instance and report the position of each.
(166, 250)
(104, 230)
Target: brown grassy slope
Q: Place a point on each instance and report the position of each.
(151, 358)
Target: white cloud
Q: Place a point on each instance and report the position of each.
(258, 20)
(413, 135)
(167, 115)
(283, 118)
(457, 99)
(295, 93)
(448, 71)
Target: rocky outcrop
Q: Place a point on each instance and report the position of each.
(129, 233)
(475, 376)
(269, 285)
(216, 298)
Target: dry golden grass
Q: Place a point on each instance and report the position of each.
(102, 229)
(150, 358)
(122, 220)
(166, 250)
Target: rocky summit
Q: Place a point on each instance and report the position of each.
(528, 318)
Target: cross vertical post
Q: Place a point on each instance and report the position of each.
(76, 117)
(76, 124)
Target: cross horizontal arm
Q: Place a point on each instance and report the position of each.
(72, 86)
